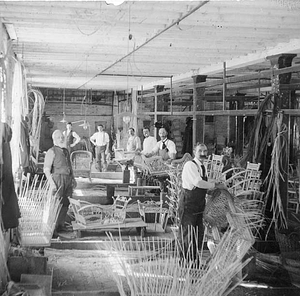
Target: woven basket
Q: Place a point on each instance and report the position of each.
(218, 205)
(294, 273)
(287, 242)
(290, 254)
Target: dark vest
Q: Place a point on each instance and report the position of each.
(70, 139)
(61, 163)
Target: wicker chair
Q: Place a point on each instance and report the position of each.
(87, 214)
(214, 166)
(81, 161)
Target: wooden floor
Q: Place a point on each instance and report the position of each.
(78, 264)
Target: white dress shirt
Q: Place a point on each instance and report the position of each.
(133, 144)
(148, 144)
(169, 144)
(192, 176)
(100, 138)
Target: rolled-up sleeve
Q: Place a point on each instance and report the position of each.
(191, 178)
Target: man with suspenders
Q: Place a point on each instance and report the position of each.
(192, 201)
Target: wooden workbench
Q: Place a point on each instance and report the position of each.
(137, 223)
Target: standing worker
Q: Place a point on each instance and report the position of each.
(58, 171)
(101, 141)
(165, 148)
(133, 142)
(71, 138)
(192, 201)
(149, 141)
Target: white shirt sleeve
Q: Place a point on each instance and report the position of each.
(171, 146)
(106, 138)
(156, 147)
(77, 138)
(191, 177)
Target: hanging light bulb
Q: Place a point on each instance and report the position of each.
(126, 119)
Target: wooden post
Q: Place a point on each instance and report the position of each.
(171, 95)
(278, 62)
(198, 94)
(224, 86)
(134, 111)
(157, 89)
(239, 141)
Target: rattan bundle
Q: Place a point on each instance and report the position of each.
(39, 210)
(156, 267)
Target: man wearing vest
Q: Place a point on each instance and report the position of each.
(192, 201)
(58, 171)
(101, 141)
(71, 137)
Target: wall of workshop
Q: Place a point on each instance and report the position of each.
(73, 112)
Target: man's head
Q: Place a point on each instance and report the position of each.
(58, 138)
(131, 131)
(69, 125)
(200, 151)
(162, 133)
(146, 132)
(100, 127)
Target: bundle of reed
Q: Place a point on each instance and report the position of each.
(269, 130)
(156, 267)
(36, 115)
(164, 272)
(39, 208)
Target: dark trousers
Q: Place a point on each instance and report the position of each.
(191, 230)
(64, 183)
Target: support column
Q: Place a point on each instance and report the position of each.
(283, 101)
(157, 89)
(135, 111)
(239, 140)
(198, 104)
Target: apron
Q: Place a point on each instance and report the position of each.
(164, 154)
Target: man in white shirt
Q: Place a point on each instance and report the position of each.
(133, 142)
(149, 141)
(71, 137)
(101, 141)
(166, 148)
(192, 201)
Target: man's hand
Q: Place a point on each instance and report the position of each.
(53, 187)
(220, 186)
